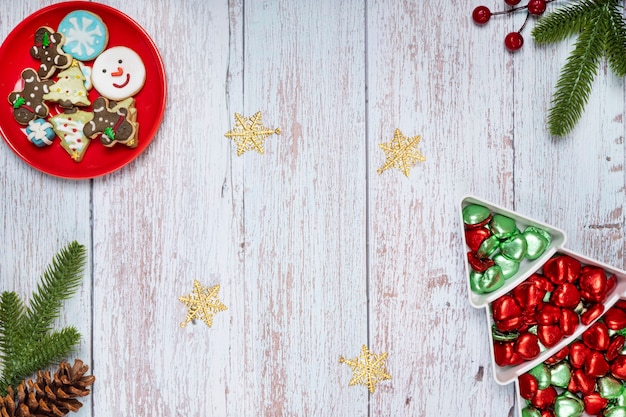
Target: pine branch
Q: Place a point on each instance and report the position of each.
(615, 48)
(562, 23)
(49, 349)
(11, 316)
(58, 283)
(575, 81)
(26, 342)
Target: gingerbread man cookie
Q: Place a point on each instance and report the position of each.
(48, 50)
(114, 124)
(28, 104)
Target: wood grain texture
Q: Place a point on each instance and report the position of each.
(315, 252)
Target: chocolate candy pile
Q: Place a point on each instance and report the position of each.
(546, 307)
(587, 376)
(497, 247)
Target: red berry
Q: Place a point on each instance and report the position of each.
(536, 7)
(512, 2)
(481, 15)
(513, 41)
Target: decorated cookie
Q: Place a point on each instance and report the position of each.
(113, 123)
(48, 50)
(40, 132)
(86, 35)
(118, 73)
(28, 104)
(69, 127)
(69, 90)
(86, 70)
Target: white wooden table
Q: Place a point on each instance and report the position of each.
(315, 252)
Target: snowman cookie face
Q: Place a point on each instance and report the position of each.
(118, 73)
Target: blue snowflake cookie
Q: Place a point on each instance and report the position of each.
(40, 132)
(86, 35)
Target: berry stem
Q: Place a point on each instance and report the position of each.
(514, 9)
(524, 24)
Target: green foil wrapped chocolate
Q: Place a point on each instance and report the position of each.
(514, 248)
(542, 375)
(537, 241)
(509, 267)
(488, 247)
(489, 281)
(502, 226)
(475, 213)
(560, 375)
(616, 411)
(621, 400)
(568, 405)
(609, 387)
(503, 336)
(531, 412)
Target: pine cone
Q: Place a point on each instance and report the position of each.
(49, 396)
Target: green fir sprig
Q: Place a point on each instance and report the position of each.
(601, 33)
(28, 342)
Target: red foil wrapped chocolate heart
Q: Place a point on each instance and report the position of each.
(549, 335)
(528, 295)
(578, 354)
(474, 237)
(593, 284)
(528, 386)
(558, 357)
(527, 346)
(615, 318)
(544, 398)
(561, 269)
(565, 295)
(548, 314)
(596, 337)
(479, 264)
(615, 347)
(581, 382)
(594, 403)
(568, 321)
(618, 367)
(593, 312)
(596, 365)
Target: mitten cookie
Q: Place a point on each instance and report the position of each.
(28, 104)
(114, 123)
(48, 50)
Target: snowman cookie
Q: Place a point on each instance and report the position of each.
(118, 73)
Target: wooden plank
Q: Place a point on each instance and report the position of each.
(575, 182)
(41, 214)
(163, 221)
(432, 72)
(304, 207)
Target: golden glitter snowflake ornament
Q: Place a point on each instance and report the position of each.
(402, 153)
(367, 369)
(203, 303)
(249, 133)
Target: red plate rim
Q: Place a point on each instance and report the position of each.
(98, 160)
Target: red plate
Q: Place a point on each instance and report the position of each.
(150, 100)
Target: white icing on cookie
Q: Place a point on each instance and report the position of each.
(118, 73)
(40, 132)
(86, 35)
